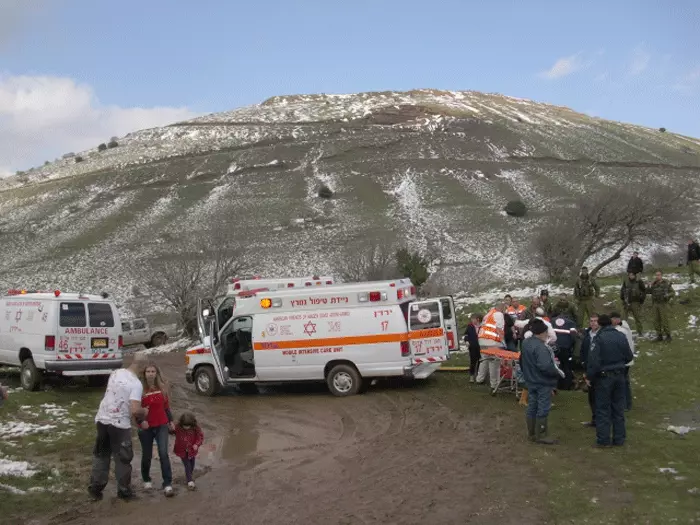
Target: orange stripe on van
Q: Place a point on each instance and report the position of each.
(332, 341)
(425, 334)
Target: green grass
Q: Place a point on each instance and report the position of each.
(62, 456)
(610, 486)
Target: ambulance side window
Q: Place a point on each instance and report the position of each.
(100, 315)
(139, 324)
(72, 315)
(446, 310)
(126, 327)
(424, 316)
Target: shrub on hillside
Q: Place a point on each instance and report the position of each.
(325, 192)
(662, 130)
(112, 144)
(413, 265)
(78, 159)
(516, 209)
(102, 147)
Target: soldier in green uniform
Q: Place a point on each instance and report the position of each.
(693, 259)
(661, 292)
(563, 306)
(585, 290)
(546, 302)
(632, 294)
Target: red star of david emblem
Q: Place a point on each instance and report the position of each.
(310, 328)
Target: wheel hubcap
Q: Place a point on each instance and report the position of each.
(203, 382)
(342, 382)
(26, 377)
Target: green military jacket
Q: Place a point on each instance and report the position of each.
(586, 288)
(563, 307)
(661, 291)
(633, 291)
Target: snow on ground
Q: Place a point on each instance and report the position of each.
(175, 346)
(20, 469)
(14, 429)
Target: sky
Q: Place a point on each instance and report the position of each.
(74, 73)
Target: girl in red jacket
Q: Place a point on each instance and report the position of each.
(188, 439)
(156, 427)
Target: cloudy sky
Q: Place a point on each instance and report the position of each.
(75, 72)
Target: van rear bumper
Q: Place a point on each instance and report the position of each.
(84, 365)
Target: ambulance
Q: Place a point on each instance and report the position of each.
(345, 335)
(68, 334)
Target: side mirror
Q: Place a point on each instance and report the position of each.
(205, 312)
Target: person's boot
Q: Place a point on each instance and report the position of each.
(541, 432)
(668, 338)
(530, 428)
(659, 337)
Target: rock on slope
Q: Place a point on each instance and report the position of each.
(430, 168)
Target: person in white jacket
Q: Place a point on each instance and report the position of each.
(622, 326)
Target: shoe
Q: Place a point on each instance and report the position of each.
(659, 338)
(669, 338)
(589, 424)
(168, 491)
(471, 379)
(190, 485)
(530, 428)
(601, 445)
(95, 496)
(127, 496)
(541, 432)
(147, 485)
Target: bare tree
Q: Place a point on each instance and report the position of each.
(371, 261)
(607, 223)
(196, 268)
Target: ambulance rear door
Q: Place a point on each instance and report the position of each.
(449, 315)
(426, 332)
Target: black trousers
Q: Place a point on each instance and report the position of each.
(111, 442)
(474, 356)
(591, 401)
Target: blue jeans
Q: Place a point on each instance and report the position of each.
(539, 401)
(610, 408)
(160, 436)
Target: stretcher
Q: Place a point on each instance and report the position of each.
(508, 376)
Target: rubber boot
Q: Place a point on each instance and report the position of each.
(530, 428)
(541, 431)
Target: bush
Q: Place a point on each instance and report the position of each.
(112, 144)
(325, 192)
(102, 147)
(413, 265)
(516, 209)
(78, 159)
(662, 130)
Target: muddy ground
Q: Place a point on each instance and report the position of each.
(296, 454)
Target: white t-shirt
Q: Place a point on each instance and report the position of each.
(122, 388)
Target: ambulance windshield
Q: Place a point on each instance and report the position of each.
(225, 310)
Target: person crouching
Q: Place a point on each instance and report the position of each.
(541, 376)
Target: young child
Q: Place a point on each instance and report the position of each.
(188, 439)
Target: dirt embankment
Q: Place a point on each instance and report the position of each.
(298, 455)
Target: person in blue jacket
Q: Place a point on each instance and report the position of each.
(541, 375)
(565, 328)
(609, 355)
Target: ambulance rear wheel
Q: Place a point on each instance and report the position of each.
(205, 381)
(344, 380)
(30, 376)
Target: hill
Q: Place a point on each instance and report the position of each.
(432, 169)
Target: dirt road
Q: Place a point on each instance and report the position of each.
(298, 455)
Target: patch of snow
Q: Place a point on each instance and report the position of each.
(13, 429)
(180, 344)
(693, 321)
(668, 470)
(17, 469)
(680, 430)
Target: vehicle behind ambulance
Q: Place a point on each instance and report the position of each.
(345, 334)
(59, 333)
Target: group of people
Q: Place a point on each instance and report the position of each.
(547, 333)
(138, 395)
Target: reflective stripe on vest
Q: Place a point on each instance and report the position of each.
(489, 328)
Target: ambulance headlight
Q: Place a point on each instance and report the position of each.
(277, 303)
(265, 303)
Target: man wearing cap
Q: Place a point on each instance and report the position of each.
(545, 302)
(541, 375)
(609, 355)
(621, 326)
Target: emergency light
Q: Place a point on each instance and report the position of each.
(266, 303)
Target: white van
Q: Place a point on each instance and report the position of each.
(345, 335)
(68, 334)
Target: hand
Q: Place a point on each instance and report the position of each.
(171, 426)
(195, 447)
(145, 412)
(144, 425)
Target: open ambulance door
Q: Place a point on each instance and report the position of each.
(427, 336)
(449, 315)
(215, 348)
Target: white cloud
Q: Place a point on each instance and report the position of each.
(640, 62)
(43, 117)
(689, 81)
(563, 67)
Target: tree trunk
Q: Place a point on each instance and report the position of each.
(614, 257)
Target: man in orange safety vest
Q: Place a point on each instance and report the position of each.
(491, 335)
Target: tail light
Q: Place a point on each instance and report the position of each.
(307, 284)
(290, 285)
(237, 286)
(451, 341)
(405, 349)
(329, 282)
(375, 296)
(49, 343)
(399, 293)
(121, 342)
(413, 290)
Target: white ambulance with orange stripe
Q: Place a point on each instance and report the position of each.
(344, 334)
(69, 334)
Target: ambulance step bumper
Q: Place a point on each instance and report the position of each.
(83, 366)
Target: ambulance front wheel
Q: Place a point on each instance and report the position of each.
(344, 380)
(205, 382)
(30, 376)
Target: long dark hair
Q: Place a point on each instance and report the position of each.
(187, 419)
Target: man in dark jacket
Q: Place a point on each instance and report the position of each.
(471, 337)
(541, 375)
(588, 337)
(693, 259)
(635, 264)
(633, 292)
(565, 329)
(610, 353)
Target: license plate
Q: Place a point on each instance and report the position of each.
(100, 342)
